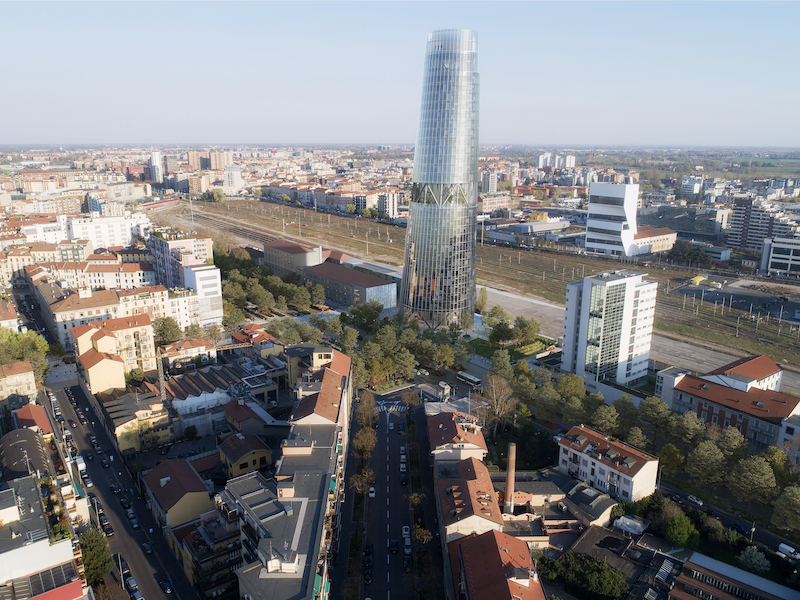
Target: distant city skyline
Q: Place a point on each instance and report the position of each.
(659, 74)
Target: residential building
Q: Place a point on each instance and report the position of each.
(755, 220)
(232, 183)
(205, 281)
(711, 579)
(130, 338)
(135, 418)
(101, 371)
(242, 453)
(691, 186)
(468, 501)
(493, 566)
(17, 385)
(8, 316)
(350, 287)
(440, 253)
(106, 232)
(210, 551)
(748, 372)
(614, 468)
(152, 300)
(608, 326)
(489, 182)
(33, 416)
(287, 257)
(388, 203)
(156, 167)
(455, 436)
(186, 354)
(176, 493)
(173, 250)
(781, 256)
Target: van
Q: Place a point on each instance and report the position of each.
(789, 551)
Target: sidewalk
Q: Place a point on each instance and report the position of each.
(61, 375)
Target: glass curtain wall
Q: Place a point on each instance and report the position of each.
(440, 265)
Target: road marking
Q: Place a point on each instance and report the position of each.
(387, 502)
(387, 531)
(387, 556)
(387, 513)
(387, 578)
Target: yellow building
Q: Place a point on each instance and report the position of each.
(101, 371)
(176, 493)
(135, 419)
(129, 338)
(244, 452)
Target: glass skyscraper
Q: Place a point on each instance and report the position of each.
(440, 264)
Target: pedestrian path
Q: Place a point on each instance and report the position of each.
(397, 407)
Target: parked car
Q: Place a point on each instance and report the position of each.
(371, 492)
(124, 502)
(135, 524)
(403, 479)
(408, 563)
(148, 549)
(407, 545)
(108, 530)
(394, 546)
(695, 500)
(406, 531)
(367, 576)
(104, 463)
(741, 529)
(166, 586)
(131, 584)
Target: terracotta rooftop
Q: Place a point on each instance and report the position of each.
(7, 311)
(454, 428)
(92, 358)
(238, 445)
(240, 412)
(75, 302)
(183, 345)
(766, 405)
(494, 566)
(178, 478)
(34, 415)
(646, 231)
(324, 403)
(621, 457)
(751, 367)
(471, 494)
(15, 368)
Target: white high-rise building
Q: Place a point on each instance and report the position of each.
(569, 161)
(156, 167)
(608, 326)
(233, 180)
(489, 182)
(611, 222)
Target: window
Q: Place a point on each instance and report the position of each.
(790, 431)
(254, 462)
(243, 465)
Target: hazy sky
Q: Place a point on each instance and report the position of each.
(571, 73)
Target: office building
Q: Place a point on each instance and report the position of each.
(440, 254)
(781, 256)
(754, 221)
(489, 182)
(156, 167)
(608, 326)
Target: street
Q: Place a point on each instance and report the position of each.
(148, 570)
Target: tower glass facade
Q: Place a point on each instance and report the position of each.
(440, 264)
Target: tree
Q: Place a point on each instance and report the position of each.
(688, 430)
(501, 365)
(233, 319)
(365, 212)
(787, 509)
(752, 479)
(137, 375)
(753, 560)
(421, 535)
(192, 332)
(680, 532)
(213, 333)
(442, 357)
(364, 442)
(410, 399)
(317, 293)
(706, 464)
(732, 444)
(217, 195)
(302, 299)
(593, 401)
(547, 402)
(654, 414)
(285, 198)
(190, 432)
(526, 331)
(166, 330)
(363, 316)
(480, 303)
(28, 346)
(570, 385)
(779, 462)
(360, 482)
(573, 411)
(96, 556)
(671, 460)
(500, 334)
(606, 419)
(367, 410)
(499, 397)
(628, 413)
(349, 337)
(495, 315)
(636, 438)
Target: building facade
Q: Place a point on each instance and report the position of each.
(440, 253)
(608, 326)
(611, 222)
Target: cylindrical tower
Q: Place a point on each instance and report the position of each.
(439, 271)
(511, 474)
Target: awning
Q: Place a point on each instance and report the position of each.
(333, 485)
(317, 584)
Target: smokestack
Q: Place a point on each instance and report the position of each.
(511, 467)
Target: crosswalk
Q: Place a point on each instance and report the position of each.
(397, 407)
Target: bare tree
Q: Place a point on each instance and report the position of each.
(361, 480)
(367, 410)
(500, 400)
(364, 442)
(410, 399)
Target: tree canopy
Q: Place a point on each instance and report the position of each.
(166, 330)
(96, 556)
(28, 346)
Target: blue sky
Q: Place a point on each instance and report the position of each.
(552, 73)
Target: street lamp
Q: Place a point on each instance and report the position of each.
(752, 531)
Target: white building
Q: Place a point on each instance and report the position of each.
(611, 221)
(691, 185)
(608, 326)
(615, 468)
(104, 232)
(489, 182)
(232, 183)
(781, 256)
(205, 280)
(156, 167)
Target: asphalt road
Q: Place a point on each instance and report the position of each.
(663, 349)
(148, 570)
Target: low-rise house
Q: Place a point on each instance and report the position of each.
(759, 372)
(33, 416)
(244, 452)
(176, 493)
(493, 566)
(612, 467)
(134, 418)
(8, 316)
(17, 385)
(185, 354)
(249, 417)
(468, 501)
(455, 436)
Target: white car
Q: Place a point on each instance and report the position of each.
(371, 492)
(406, 531)
(391, 426)
(402, 467)
(695, 500)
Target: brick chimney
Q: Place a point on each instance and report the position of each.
(511, 467)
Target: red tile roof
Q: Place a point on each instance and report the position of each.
(472, 493)
(753, 367)
(494, 566)
(346, 275)
(238, 445)
(33, 415)
(326, 402)
(92, 357)
(622, 457)
(183, 479)
(448, 428)
(341, 363)
(15, 368)
(766, 405)
(240, 412)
